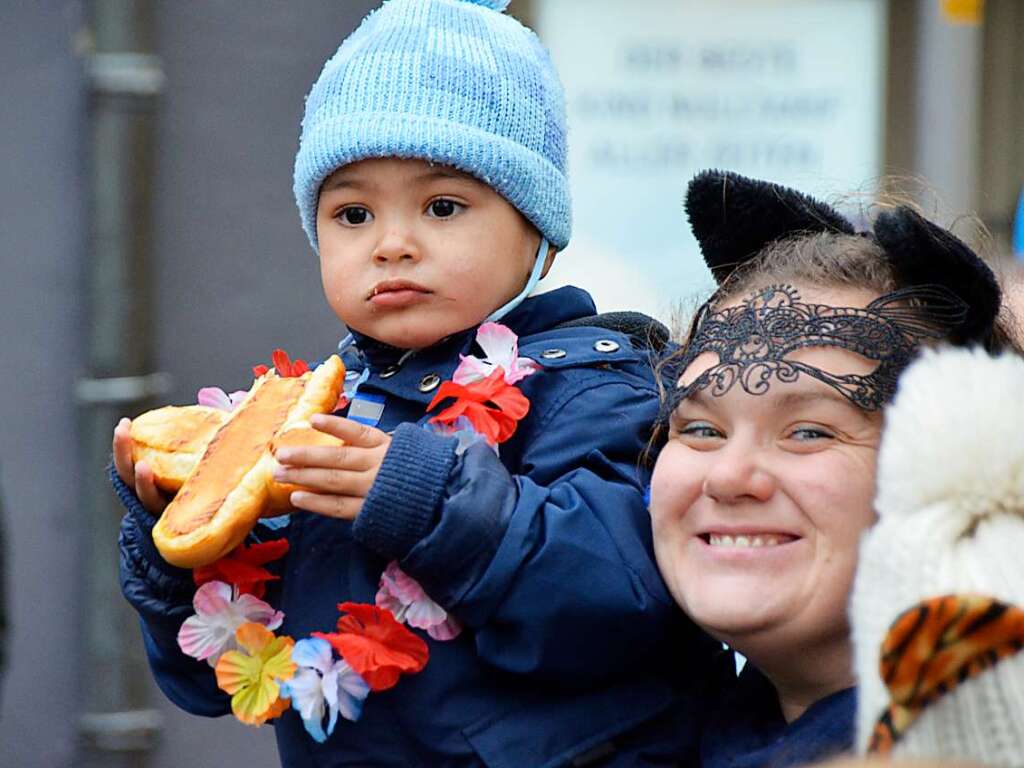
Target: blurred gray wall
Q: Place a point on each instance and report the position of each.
(234, 277)
(41, 221)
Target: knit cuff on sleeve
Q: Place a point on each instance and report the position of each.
(144, 522)
(403, 504)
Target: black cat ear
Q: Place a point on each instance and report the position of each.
(734, 217)
(923, 253)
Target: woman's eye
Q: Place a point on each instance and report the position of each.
(355, 215)
(806, 434)
(443, 208)
(699, 429)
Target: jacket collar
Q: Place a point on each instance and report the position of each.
(535, 314)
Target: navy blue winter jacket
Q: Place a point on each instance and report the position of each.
(573, 653)
(747, 730)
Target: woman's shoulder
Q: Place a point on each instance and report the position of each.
(747, 727)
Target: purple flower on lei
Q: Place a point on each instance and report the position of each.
(501, 347)
(405, 598)
(215, 397)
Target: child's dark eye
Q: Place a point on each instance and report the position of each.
(355, 215)
(443, 208)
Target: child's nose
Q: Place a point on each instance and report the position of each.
(396, 244)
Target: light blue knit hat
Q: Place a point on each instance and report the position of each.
(453, 81)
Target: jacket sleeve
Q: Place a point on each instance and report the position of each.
(162, 596)
(551, 567)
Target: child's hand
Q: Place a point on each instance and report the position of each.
(138, 476)
(338, 477)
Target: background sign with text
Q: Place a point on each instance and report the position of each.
(787, 90)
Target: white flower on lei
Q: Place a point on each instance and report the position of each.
(219, 612)
(321, 686)
(501, 347)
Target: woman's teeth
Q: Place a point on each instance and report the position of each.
(760, 540)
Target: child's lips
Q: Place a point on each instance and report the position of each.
(397, 293)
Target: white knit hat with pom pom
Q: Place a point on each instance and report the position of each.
(951, 521)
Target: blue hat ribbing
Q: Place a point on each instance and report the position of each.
(451, 81)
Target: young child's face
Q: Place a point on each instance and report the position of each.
(411, 252)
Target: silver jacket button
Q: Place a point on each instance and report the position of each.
(606, 345)
(429, 382)
(553, 354)
(390, 371)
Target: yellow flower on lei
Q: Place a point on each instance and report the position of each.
(253, 675)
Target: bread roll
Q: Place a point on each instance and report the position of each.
(223, 471)
(173, 439)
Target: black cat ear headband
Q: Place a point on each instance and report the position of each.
(734, 218)
(946, 291)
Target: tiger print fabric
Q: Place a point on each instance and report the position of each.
(933, 647)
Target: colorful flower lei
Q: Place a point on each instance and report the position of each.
(486, 398)
(330, 674)
(265, 674)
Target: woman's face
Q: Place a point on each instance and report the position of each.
(758, 501)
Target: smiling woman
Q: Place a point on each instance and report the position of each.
(771, 423)
(760, 502)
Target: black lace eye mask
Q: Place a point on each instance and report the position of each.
(754, 340)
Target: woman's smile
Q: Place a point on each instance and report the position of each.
(745, 540)
(745, 547)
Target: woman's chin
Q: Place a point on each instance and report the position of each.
(731, 615)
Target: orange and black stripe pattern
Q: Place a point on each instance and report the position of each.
(933, 647)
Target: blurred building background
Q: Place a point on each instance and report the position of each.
(150, 244)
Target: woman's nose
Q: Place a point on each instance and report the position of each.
(397, 243)
(737, 473)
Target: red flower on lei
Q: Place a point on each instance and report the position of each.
(285, 367)
(375, 645)
(493, 406)
(241, 568)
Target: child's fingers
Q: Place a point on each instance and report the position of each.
(352, 432)
(122, 447)
(344, 507)
(338, 457)
(146, 490)
(337, 481)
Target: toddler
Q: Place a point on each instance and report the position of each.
(431, 181)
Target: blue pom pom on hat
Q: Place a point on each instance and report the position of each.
(455, 82)
(497, 5)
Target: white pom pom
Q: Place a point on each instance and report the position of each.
(496, 5)
(955, 436)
